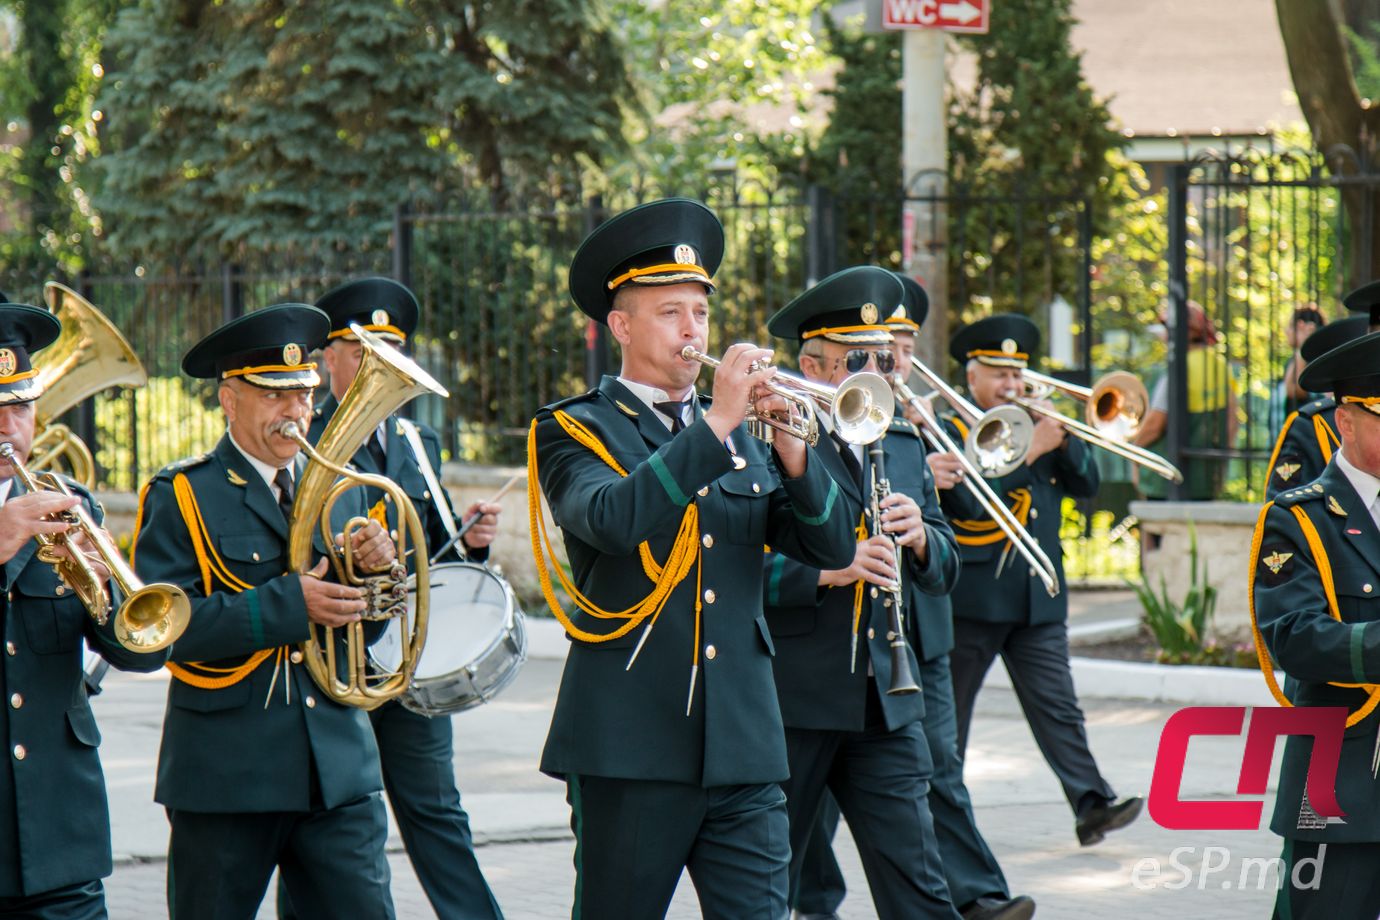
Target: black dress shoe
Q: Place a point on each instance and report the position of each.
(1020, 907)
(1100, 820)
(829, 916)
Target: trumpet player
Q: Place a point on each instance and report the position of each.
(258, 767)
(851, 709)
(48, 867)
(998, 610)
(666, 729)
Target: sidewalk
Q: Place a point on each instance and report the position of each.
(520, 816)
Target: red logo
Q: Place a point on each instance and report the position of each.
(1325, 724)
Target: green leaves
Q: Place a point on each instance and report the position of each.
(1181, 629)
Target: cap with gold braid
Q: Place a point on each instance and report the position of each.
(1350, 371)
(915, 306)
(24, 329)
(670, 241)
(267, 348)
(378, 305)
(849, 307)
(1004, 340)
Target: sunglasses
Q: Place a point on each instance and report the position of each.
(855, 359)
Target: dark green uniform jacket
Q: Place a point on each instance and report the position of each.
(1314, 649)
(403, 470)
(1015, 595)
(244, 748)
(813, 627)
(54, 824)
(614, 722)
(1304, 446)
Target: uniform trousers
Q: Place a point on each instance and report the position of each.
(970, 869)
(1339, 882)
(1037, 658)
(879, 779)
(332, 861)
(84, 901)
(633, 838)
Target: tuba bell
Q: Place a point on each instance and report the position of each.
(90, 355)
(385, 381)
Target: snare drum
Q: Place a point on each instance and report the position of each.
(476, 641)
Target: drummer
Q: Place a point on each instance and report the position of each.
(416, 751)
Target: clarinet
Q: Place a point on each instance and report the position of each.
(902, 680)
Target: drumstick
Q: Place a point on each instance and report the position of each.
(473, 519)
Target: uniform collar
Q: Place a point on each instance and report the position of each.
(651, 396)
(263, 469)
(1366, 485)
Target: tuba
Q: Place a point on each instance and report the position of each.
(386, 380)
(90, 355)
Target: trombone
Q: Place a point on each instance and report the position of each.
(150, 617)
(998, 439)
(940, 441)
(1114, 407)
(861, 407)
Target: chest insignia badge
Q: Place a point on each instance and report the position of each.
(1275, 561)
(1286, 471)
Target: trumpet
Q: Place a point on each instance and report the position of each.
(1114, 407)
(150, 617)
(939, 440)
(861, 407)
(998, 439)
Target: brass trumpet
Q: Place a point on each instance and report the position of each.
(998, 439)
(861, 407)
(150, 617)
(89, 356)
(1114, 407)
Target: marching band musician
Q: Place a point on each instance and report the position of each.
(998, 606)
(666, 728)
(258, 767)
(845, 732)
(1313, 565)
(1308, 437)
(416, 752)
(49, 868)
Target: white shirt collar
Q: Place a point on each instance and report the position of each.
(652, 395)
(5, 489)
(1366, 485)
(263, 469)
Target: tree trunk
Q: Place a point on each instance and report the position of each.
(1320, 64)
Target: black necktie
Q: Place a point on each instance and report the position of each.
(376, 453)
(283, 480)
(676, 410)
(849, 460)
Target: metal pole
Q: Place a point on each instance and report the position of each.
(924, 170)
(1177, 423)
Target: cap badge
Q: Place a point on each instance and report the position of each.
(685, 255)
(869, 313)
(7, 362)
(1008, 346)
(379, 317)
(292, 354)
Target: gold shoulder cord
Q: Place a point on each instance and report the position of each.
(1327, 438)
(1315, 546)
(1279, 441)
(685, 552)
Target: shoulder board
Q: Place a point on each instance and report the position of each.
(1311, 492)
(902, 425)
(571, 401)
(178, 466)
(1323, 404)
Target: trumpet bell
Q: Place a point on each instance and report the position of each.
(1117, 405)
(152, 617)
(862, 408)
(998, 442)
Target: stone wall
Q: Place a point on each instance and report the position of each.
(1223, 530)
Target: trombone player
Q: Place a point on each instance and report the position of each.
(258, 767)
(48, 868)
(998, 610)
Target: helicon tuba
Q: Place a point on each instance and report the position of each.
(386, 380)
(90, 355)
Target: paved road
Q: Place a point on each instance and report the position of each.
(520, 816)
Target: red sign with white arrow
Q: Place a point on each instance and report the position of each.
(957, 16)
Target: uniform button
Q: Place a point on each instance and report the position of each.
(426, 494)
(709, 595)
(711, 652)
(388, 498)
(1053, 481)
(19, 752)
(255, 557)
(756, 487)
(61, 590)
(296, 657)
(1034, 513)
(16, 700)
(311, 702)
(1366, 588)
(871, 633)
(708, 541)
(9, 648)
(703, 492)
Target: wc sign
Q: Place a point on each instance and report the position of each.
(1325, 725)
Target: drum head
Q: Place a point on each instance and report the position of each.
(468, 612)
